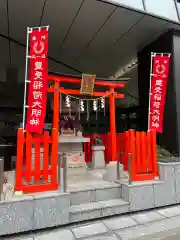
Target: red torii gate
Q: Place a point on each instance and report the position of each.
(25, 140)
(57, 89)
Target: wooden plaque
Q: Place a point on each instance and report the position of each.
(87, 84)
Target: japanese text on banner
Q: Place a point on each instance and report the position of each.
(37, 92)
(158, 92)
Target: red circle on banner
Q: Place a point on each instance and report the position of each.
(38, 47)
(160, 68)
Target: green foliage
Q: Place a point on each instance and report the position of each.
(162, 153)
(97, 141)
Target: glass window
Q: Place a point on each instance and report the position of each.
(178, 5)
(132, 3)
(164, 8)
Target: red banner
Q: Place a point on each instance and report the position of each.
(38, 76)
(158, 92)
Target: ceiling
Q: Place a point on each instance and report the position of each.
(85, 35)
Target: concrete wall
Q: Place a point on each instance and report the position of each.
(153, 194)
(55, 208)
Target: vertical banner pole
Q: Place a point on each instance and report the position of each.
(25, 84)
(151, 67)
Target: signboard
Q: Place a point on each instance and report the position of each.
(38, 76)
(157, 96)
(87, 84)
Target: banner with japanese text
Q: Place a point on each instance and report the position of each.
(158, 85)
(38, 76)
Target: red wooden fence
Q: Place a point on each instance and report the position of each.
(105, 138)
(107, 143)
(36, 172)
(140, 145)
(39, 173)
(122, 148)
(142, 149)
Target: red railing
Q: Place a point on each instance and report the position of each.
(122, 149)
(36, 171)
(140, 146)
(107, 143)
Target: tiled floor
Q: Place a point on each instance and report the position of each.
(152, 225)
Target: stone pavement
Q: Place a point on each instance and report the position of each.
(156, 224)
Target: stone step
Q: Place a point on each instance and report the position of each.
(99, 209)
(100, 193)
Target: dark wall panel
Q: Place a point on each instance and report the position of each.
(169, 137)
(176, 87)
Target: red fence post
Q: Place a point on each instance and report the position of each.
(54, 160)
(133, 154)
(19, 161)
(143, 152)
(28, 160)
(118, 146)
(107, 151)
(126, 150)
(138, 152)
(149, 152)
(37, 163)
(154, 153)
(46, 155)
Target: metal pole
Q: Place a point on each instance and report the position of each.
(118, 167)
(26, 80)
(118, 175)
(177, 9)
(129, 168)
(62, 172)
(47, 27)
(65, 171)
(152, 55)
(1, 178)
(59, 170)
(144, 5)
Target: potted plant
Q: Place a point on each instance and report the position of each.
(97, 140)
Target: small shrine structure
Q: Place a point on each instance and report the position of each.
(27, 139)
